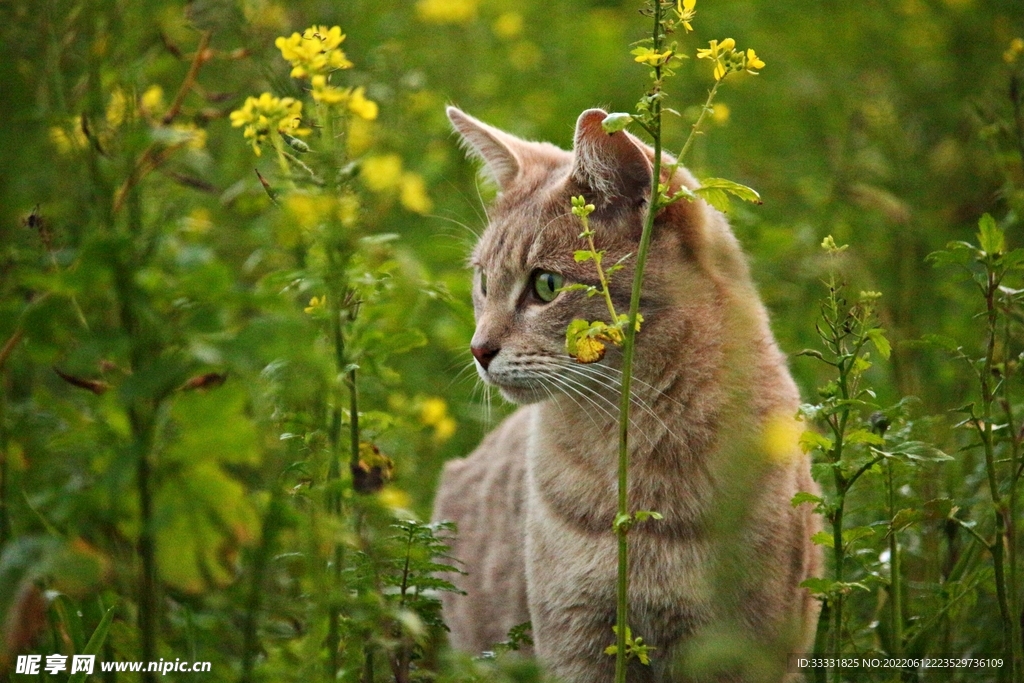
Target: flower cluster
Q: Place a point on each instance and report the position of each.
(314, 52)
(1015, 50)
(267, 114)
(434, 413)
(729, 60)
(685, 10)
(384, 175)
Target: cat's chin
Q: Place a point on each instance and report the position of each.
(523, 395)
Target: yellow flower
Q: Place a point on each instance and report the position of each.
(508, 25)
(716, 49)
(382, 173)
(444, 429)
(66, 142)
(434, 413)
(314, 52)
(720, 114)
(152, 102)
(308, 210)
(116, 108)
(395, 498)
(316, 304)
(193, 136)
(1014, 51)
(361, 106)
(729, 60)
(752, 63)
(684, 8)
(348, 209)
(446, 11)
(433, 410)
(589, 350)
(413, 193)
(267, 114)
(327, 94)
(649, 56)
(360, 136)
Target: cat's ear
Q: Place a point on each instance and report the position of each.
(497, 149)
(612, 165)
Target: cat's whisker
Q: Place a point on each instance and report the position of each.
(615, 374)
(593, 372)
(611, 412)
(553, 377)
(463, 374)
(473, 233)
(605, 373)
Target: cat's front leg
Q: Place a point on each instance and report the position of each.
(571, 585)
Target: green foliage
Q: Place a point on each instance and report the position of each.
(181, 337)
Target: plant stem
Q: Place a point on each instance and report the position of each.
(142, 430)
(5, 520)
(333, 479)
(1011, 517)
(600, 271)
(895, 588)
(628, 346)
(838, 557)
(985, 432)
(250, 638)
(695, 129)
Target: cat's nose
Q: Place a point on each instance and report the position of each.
(484, 354)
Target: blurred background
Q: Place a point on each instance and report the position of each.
(137, 256)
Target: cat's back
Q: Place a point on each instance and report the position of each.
(483, 494)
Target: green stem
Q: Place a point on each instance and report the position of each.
(250, 636)
(600, 271)
(5, 520)
(334, 477)
(695, 129)
(987, 439)
(1011, 517)
(838, 557)
(628, 346)
(895, 588)
(142, 429)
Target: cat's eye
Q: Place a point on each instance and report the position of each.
(483, 283)
(546, 285)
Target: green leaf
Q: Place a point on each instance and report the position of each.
(96, 640)
(622, 523)
(576, 330)
(715, 197)
(877, 337)
(577, 287)
(615, 122)
(854, 534)
(811, 439)
(644, 515)
(583, 255)
(802, 497)
(818, 586)
(713, 186)
(990, 236)
(920, 451)
(904, 518)
(823, 538)
(864, 436)
(945, 343)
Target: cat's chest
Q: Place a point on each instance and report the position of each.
(572, 469)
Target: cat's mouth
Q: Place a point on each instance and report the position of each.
(516, 389)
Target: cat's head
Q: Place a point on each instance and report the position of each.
(526, 254)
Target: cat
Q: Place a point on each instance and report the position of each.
(713, 436)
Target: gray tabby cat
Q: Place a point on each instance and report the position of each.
(713, 437)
